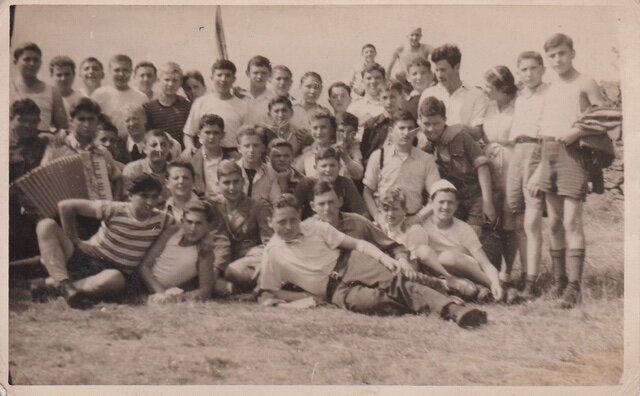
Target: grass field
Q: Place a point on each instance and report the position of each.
(240, 343)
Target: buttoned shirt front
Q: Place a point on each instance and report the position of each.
(527, 113)
(365, 108)
(466, 105)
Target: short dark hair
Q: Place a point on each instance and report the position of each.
(322, 187)
(249, 130)
(286, 201)
(448, 52)
(211, 119)
(145, 64)
(327, 153)
(121, 58)
(368, 45)
(224, 64)
(432, 106)
(348, 119)
(277, 143)
(282, 100)
(259, 61)
(531, 55)
(204, 207)
(196, 75)
(105, 124)
(311, 74)
(337, 85)
(557, 40)
(85, 104)
(144, 183)
(419, 61)
(29, 46)
(403, 115)
(373, 67)
(392, 86)
(183, 165)
(23, 107)
(62, 61)
(94, 60)
(501, 78)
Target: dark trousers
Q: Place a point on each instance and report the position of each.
(370, 288)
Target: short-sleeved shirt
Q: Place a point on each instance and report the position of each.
(233, 111)
(365, 108)
(170, 119)
(258, 107)
(459, 237)
(122, 239)
(113, 103)
(176, 264)
(352, 201)
(466, 105)
(412, 238)
(306, 261)
(413, 172)
(527, 112)
(458, 156)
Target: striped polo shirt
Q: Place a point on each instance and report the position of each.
(122, 239)
(170, 119)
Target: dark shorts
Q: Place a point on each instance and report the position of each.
(83, 265)
(561, 171)
(470, 209)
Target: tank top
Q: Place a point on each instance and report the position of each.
(43, 99)
(561, 108)
(176, 264)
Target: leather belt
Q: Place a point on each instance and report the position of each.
(527, 139)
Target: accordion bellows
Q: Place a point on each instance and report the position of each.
(84, 175)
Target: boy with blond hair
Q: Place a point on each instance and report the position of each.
(63, 72)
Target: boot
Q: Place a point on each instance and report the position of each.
(571, 295)
(74, 298)
(484, 295)
(465, 317)
(41, 291)
(559, 284)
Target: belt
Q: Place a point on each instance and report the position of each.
(335, 277)
(547, 139)
(527, 139)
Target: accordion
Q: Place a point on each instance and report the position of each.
(83, 175)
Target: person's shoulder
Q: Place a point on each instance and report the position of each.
(138, 95)
(357, 218)
(133, 168)
(462, 226)
(101, 92)
(422, 155)
(374, 121)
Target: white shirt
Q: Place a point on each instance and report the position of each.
(459, 237)
(233, 111)
(527, 112)
(365, 108)
(176, 264)
(113, 101)
(71, 101)
(258, 107)
(466, 105)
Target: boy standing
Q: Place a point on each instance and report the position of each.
(368, 58)
(63, 72)
(282, 79)
(91, 73)
(400, 164)
(420, 77)
(376, 129)
(561, 175)
(280, 114)
(339, 97)
(169, 111)
(259, 73)
(105, 263)
(113, 99)
(404, 55)
(220, 101)
(145, 75)
(465, 104)
(369, 105)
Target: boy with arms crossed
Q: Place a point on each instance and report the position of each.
(348, 272)
(560, 174)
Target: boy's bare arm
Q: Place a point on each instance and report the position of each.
(206, 277)
(70, 208)
(484, 178)
(394, 58)
(150, 258)
(367, 195)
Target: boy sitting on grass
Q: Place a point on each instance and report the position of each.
(350, 273)
(106, 263)
(178, 267)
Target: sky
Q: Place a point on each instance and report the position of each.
(325, 39)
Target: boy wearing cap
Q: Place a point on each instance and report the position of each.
(455, 242)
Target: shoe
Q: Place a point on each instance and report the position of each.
(529, 292)
(484, 294)
(512, 296)
(74, 298)
(462, 288)
(41, 292)
(559, 285)
(465, 317)
(571, 296)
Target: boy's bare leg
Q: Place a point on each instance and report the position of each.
(107, 282)
(464, 266)
(55, 249)
(533, 230)
(574, 230)
(429, 258)
(555, 211)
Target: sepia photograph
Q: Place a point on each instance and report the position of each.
(405, 195)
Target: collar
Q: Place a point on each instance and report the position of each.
(403, 156)
(169, 204)
(72, 142)
(131, 143)
(146, 168)
(526, 91)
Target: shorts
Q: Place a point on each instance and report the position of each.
(518, 174)
(83, 265)
(561, 171)
(470, 209)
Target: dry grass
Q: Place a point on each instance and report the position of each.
(237, 343)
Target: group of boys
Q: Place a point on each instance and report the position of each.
(229, 194)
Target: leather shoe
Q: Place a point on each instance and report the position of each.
(465, 317)
(74, 298)
(462, 288)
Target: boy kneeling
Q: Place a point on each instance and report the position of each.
(350, 273)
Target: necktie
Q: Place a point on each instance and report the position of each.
(135, 153)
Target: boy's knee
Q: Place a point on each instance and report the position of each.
(556, 227)
(46, 227)
(447, 258)
(423, 252)
(573, 225)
